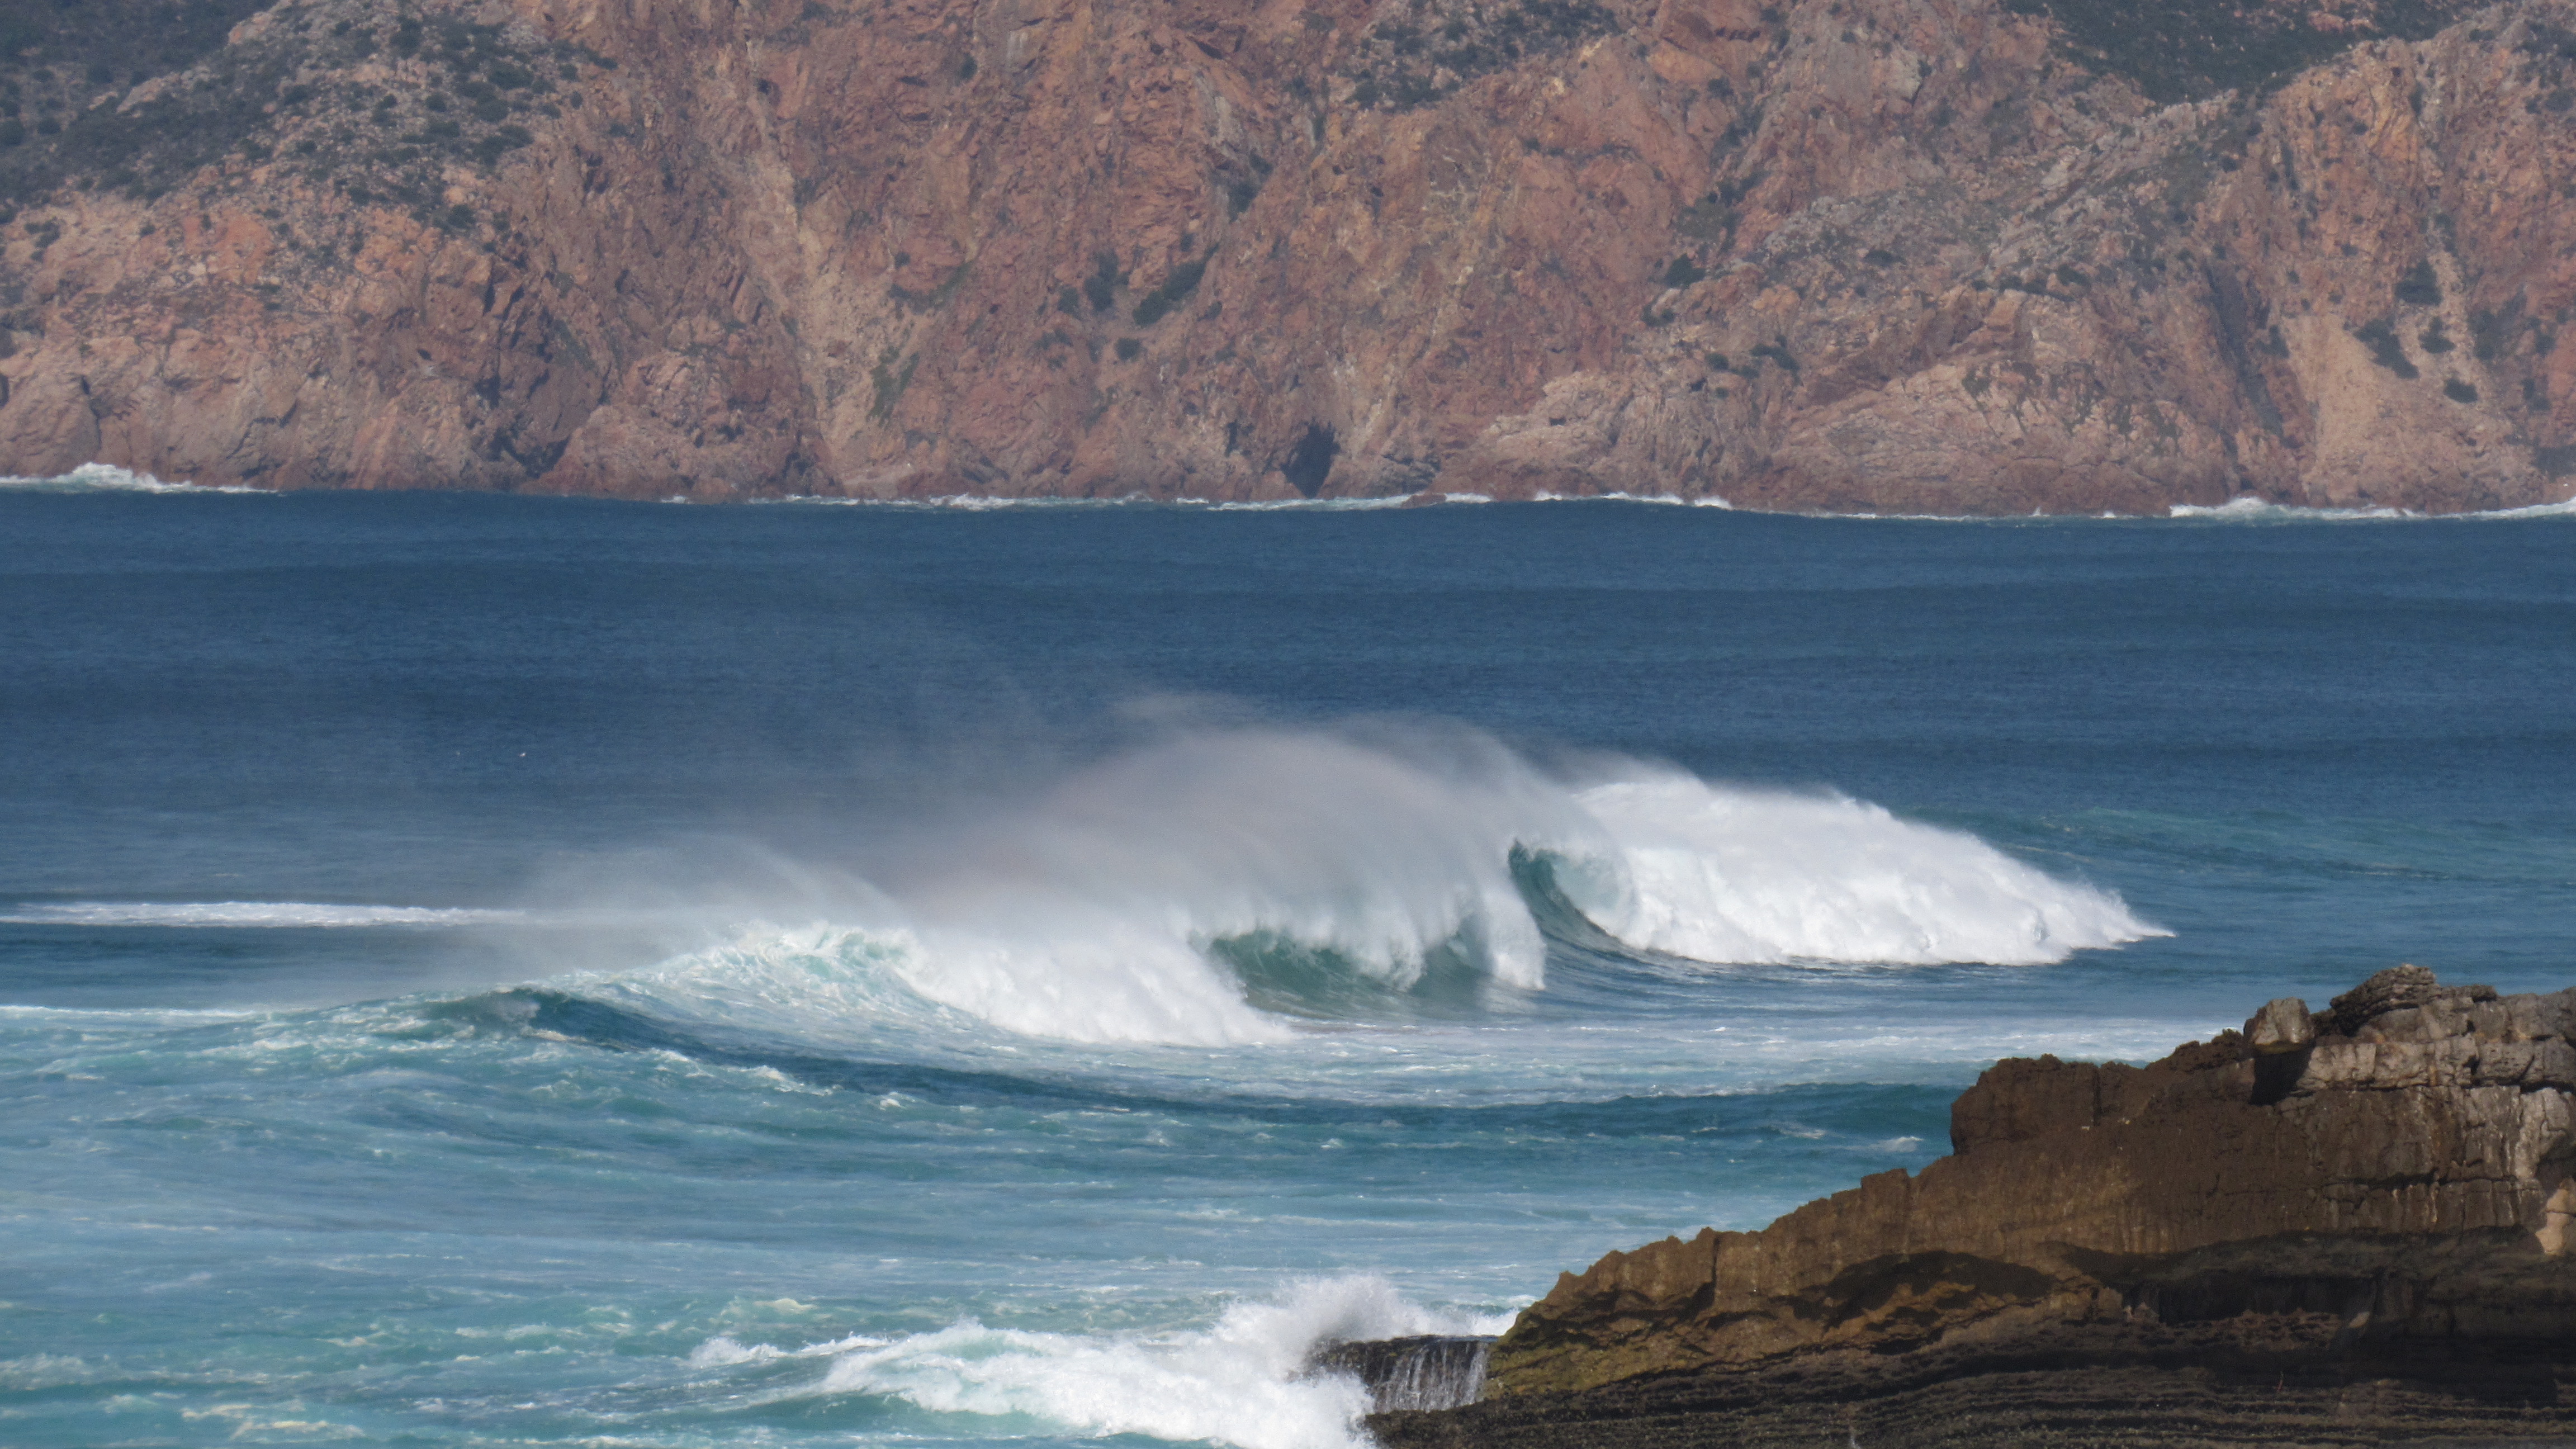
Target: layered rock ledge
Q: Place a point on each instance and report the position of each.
(2333, 1227)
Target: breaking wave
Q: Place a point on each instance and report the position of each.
(2256, 510)
(1216, 888)
(108, 478)
(1241, 1382)
(1748, 877)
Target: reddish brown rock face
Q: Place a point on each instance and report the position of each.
(2402, 1162)
(1898, 255)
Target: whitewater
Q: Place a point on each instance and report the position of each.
(484, 970)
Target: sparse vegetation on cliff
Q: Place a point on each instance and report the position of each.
(2181, 50)
(1438, 46)
(2380, 336)
(1160, 301)
(369, 100)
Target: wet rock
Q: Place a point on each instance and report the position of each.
(1429, 1371)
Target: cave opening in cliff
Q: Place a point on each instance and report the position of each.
(1311, 461)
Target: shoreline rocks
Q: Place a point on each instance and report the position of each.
(1422, 1371)
(2367, 1205)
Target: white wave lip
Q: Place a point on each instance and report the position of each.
(1740, 878)
(275, 915)
(108, 478)
(1116, 907)
(1241, 1382)
(1090, 914)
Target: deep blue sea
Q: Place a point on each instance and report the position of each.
(497, 971)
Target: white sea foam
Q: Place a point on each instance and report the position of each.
(2256, 510)
(257, 914)
(1705, 500)
(1744, 877)
(2235, 510)
(2565, 508)
(107, 478)
(1139, 900)
(1239, 1382)
(1319, 505)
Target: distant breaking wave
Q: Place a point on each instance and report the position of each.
(2238, 510)
(108, 478)
(2256, 510)
(1214, 888)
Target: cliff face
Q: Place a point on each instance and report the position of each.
(1904, 255)
(2397, 1169)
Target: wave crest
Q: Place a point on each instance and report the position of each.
(1743, 877)
(1209, 889)
(1239, 1382)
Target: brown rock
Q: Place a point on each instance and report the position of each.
(2281, 1026)
(2404, 1162)
(1893, 255)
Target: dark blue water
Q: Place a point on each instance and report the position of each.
(482, 969)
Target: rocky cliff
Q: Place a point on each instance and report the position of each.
(2376, 1196)
(1901, 255)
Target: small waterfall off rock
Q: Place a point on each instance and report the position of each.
(1426, 1371)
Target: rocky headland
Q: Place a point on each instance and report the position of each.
(1976, 256)
(2334, 1228)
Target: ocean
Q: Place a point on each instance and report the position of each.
(506, 971)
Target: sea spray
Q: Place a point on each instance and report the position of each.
(1417, 1372)
(1246, 1381)
(1211, 887)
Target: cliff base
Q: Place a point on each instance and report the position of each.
(2268, 1379)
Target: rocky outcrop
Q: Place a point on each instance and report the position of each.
(2278, 1381)
(2388, 1181)
(1902, 255)
(1421, 1371)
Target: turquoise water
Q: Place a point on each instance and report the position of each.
(496, 971)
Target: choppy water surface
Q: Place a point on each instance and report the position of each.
(493, 971)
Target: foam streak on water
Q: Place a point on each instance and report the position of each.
(269, 915)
